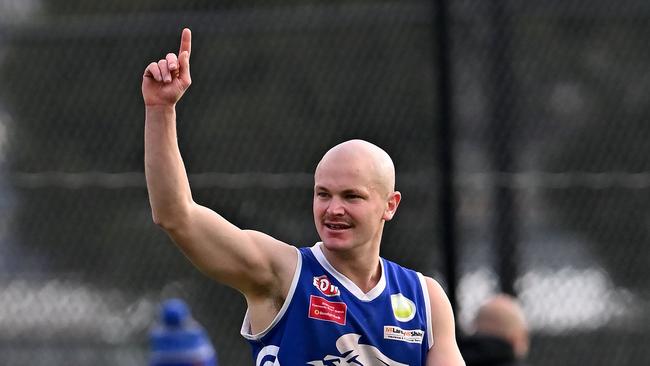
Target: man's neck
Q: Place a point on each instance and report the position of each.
(361, 266)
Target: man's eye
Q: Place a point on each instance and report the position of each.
(321, 194)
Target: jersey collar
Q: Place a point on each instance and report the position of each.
(346, 282)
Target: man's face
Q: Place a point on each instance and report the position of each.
(350, 204)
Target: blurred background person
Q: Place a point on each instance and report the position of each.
(177, 339)
(500, 334)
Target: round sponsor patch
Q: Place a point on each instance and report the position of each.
(403, 308)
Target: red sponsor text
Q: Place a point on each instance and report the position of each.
(321, 309)
(325, 286)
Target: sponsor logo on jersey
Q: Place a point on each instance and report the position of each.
(321, 309)
(404, 335)
(268, 356)
(325, 286)
(351, 352)
(403, 308)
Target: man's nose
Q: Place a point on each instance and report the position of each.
(335, 207)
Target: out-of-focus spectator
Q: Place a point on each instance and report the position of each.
(176, 339)
(500, 335)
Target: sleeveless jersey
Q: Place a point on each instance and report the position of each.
(327, 320)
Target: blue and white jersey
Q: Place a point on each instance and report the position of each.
(327, 320)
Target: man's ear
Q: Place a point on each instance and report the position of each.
(391, 207)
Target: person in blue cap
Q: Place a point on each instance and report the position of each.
(176, 339)
(335, 303)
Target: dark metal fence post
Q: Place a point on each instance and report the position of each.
(445, 146)
(502, 81)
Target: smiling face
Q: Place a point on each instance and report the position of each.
(353, 195)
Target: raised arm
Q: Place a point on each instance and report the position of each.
(252, 262)
(445, 349)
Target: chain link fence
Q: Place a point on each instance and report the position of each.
(550, 108)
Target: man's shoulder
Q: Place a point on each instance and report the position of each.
(394, 266)
(483, 350)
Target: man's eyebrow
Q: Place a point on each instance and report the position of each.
(354, 190)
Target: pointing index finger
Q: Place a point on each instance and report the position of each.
(186, 42)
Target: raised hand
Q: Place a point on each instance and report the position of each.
(164, 82)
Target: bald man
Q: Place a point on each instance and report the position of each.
(502, 316)
(335, 303)
(500, 334)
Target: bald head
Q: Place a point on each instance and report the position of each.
(501, 316)
(363, 155)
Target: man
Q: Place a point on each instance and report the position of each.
(336, 303)
(501, 335)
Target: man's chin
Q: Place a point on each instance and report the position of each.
(335, 244)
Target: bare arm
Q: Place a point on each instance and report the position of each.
(249, 261)
(445, 350)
